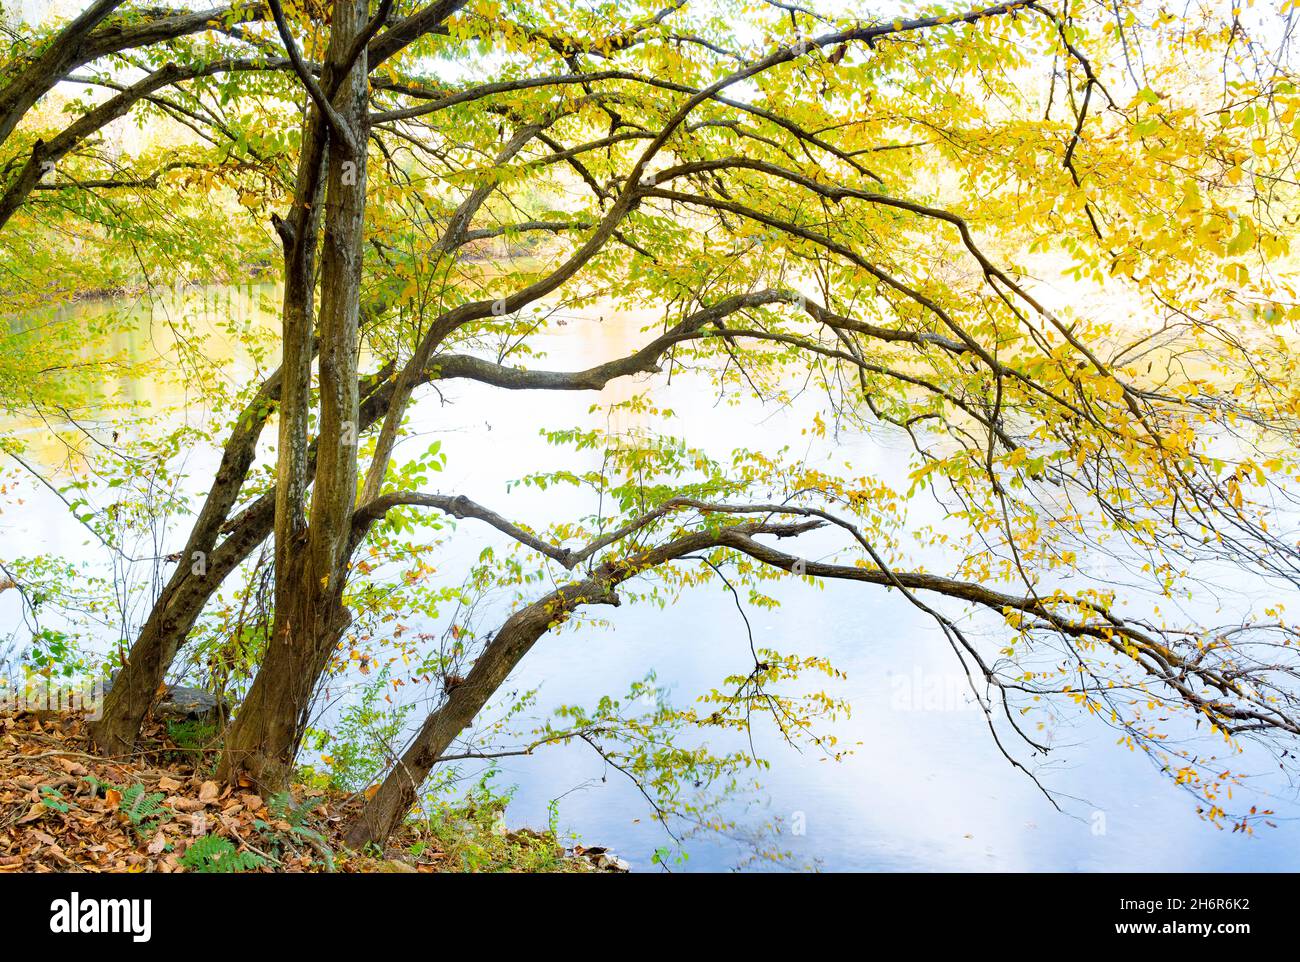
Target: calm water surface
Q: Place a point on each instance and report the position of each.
(926, 788)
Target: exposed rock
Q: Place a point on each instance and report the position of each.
(179, 703)
(612, 863)
(182, 703)
(601, 858)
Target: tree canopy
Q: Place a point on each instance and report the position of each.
(1045, 243)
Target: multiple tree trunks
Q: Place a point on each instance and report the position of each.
(314, 512)
(323, 238)
(206, 563)
(312, 553)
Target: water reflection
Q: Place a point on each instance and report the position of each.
(926, 788)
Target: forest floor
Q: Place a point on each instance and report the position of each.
(64, 810)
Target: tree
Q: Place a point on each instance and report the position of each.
(854, 202)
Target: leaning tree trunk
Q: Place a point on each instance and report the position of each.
(201, 569)
(397, 794)
(387, 808)
(125, 706)
(311, 556)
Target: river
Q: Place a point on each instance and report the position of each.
(925, 789)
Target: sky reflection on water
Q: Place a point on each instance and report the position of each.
(926, 788)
